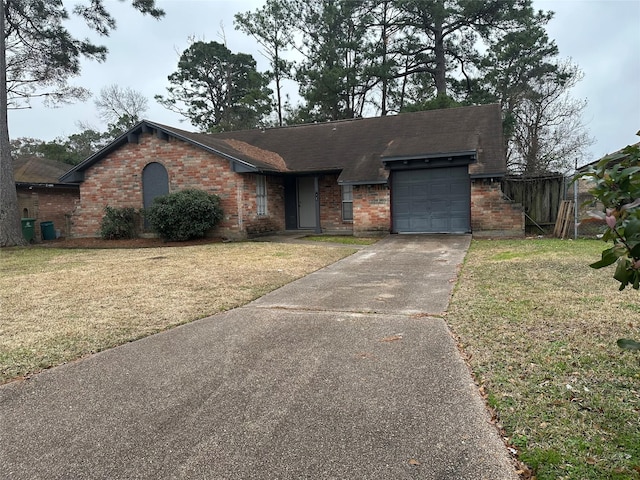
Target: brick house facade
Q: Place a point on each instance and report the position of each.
(42, 196)
(48, 204)
(354, 177)
(491, 213)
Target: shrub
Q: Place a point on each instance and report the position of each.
(617, 187)
(184, 215)
(616, 180)
(119, 223)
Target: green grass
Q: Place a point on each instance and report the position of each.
(344, 239)
(62, 304)
(540, 328)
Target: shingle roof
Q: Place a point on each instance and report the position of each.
(356, 147)
(38, 170)
(589, 165)
(237, 149)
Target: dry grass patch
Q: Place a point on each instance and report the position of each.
(58, 305)
(540, 328)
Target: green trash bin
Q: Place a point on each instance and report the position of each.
(29, 229)
(47, 230)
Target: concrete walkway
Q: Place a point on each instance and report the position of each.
(345, 374)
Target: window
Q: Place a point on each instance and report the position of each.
(155, 182)
(347, 203)
(261, 194)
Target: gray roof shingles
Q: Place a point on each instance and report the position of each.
(38, 170)
(356, 147)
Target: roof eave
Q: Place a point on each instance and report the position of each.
(76, 174)
(428, 156)
(363, 182)
(46, 185)
(480, 176)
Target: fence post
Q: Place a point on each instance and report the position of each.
(576, 185)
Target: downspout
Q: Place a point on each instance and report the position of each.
(316, 186)
(240, 203)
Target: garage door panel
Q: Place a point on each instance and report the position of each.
(438, 189)
(459, 205)
(418, 224)
(461, 189)
(404, 190)
(459, 225)
(439, 205)
(404, 224)
(431, 200)
(418, 205)
(403, 206)
(440, 225)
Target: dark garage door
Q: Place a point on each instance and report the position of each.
(435, 200)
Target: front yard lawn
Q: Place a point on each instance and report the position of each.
(537, 324)
(59, 304)
(539, 327)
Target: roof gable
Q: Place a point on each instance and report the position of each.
(243, 158)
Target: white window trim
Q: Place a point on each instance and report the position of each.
(261, 195)
(347, 197)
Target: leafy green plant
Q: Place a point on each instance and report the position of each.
(616, 181)
(119, 223)
(184, 215)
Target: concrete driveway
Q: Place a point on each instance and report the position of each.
(347, 373)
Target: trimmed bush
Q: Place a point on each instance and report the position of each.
(184, 215)
(119, 223)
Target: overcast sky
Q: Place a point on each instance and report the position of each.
(601, 36)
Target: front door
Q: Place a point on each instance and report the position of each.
(306, 202)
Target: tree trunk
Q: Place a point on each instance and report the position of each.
(441, 61)
(10, 227)
(385, 47)
(277, 75)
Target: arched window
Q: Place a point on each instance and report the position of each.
(155, 182)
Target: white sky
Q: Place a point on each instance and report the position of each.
(601, 36)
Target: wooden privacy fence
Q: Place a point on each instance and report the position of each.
(541, 197)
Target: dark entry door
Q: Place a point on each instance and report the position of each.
(291, 203)
(435, 200)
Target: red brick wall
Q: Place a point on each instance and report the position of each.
(117, 181)
(371, 209)
(331, 205)
(491, 213)
(49, 204)
(273, 221)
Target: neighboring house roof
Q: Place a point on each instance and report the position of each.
(587, 166)
(358, 148)
(38, 171)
